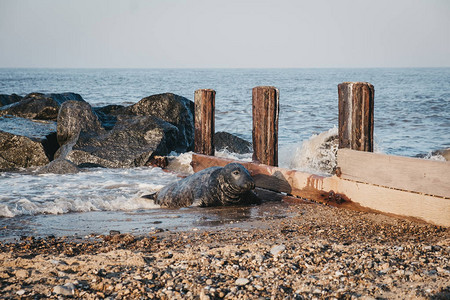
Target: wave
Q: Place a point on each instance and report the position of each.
(315, 155)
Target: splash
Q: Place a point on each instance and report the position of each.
(315, 155)
(227, 154)
(92, 190)
(180, 163)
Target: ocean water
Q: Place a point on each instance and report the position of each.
(412, 117)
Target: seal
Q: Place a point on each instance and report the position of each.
(215, 186)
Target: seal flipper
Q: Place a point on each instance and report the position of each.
(250, 197)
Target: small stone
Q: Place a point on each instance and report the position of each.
(20, 292)
(22, 274)
(276, 250)
(203, 296)
(400, 272)
(241, 281)
(63, 290)
(209, 282)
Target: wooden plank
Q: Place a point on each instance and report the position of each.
(204, 100)
(434, 210)
(405, 173)
(341, 192)
(356, 111)
(265, 103)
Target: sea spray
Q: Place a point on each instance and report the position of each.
(180, 163)
(247, 157)
(315, 155)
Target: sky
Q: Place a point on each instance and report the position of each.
(224, 33)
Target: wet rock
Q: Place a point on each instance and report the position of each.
(108, 115)
(39, 106)
(76, 118)
(59, 166)
(20, 152)
(19, 134)
(9, 99)
(131, 143)
(170, 108)
(232, 143)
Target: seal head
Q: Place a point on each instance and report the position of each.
(234, 181)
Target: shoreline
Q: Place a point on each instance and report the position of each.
(313, 251)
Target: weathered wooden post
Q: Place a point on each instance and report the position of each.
(265, 124)
(204, 100)
(356, 104)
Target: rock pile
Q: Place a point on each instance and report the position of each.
(65, 127)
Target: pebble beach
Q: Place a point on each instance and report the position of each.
(313, 251)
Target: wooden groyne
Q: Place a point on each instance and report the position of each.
(403, 186)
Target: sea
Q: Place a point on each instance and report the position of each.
(412, 118)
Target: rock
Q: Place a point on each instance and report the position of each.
(21, 292)
(65, 290)
(133, 140)
(170, 108)
(107, 115)
(39, 106)
(9, 99)
(276, 250)
(224, 140)
(26, 143)
(59, 166)
(22, 274)
(131, 143)
(20, 152)
(75, 118)
(241, 281)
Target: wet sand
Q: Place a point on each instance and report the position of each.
(301, 251)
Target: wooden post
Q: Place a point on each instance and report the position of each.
(204, 121)
(356, 101)
(265, 124)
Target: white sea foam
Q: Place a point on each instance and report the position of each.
(231, 155)
(93, 190)
(435, 156)
(180, 163)
(315, 155)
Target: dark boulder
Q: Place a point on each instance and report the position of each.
(107, 115)
(75, 117)
(39, 106)
(232, 143)
(59, 166)
(130, 143)
(9, 99)
(25, 143)
(176, 110)
(18, 151)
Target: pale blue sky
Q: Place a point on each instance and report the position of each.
(228, 33)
